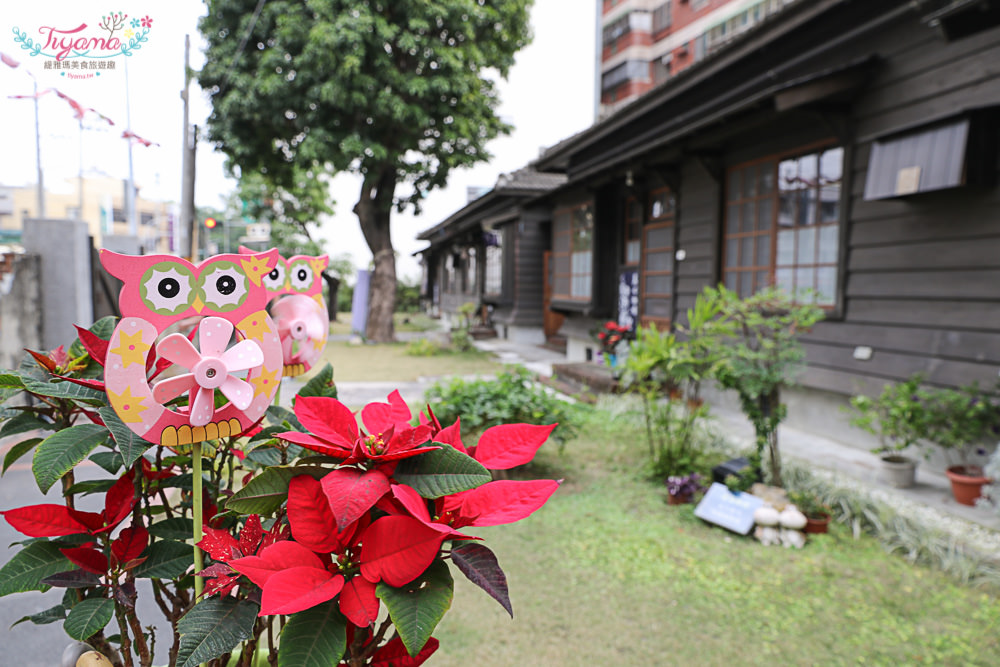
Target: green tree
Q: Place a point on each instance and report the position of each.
(293, 210)
(399, 93)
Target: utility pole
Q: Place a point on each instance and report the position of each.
(133, 226)
(38, 155)
(187, 222)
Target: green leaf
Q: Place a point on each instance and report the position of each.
(91, 486)
(66, 390)
(110, 461)
(62, 450)
(315, 637)
(24, 422)
(417, 607)
(130, 445)
(17, 451)
(11, 381)
(321, 384)
(89, 617)
(25, 571)
(57, 613)
(177, 528)
(212, 628)
(165, 559)
(266, 492)
(277, 414)
(441, 472)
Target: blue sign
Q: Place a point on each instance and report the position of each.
(628, 299)
(732, 511)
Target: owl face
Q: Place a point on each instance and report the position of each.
(300, 274)
(296, 285)
(163, 289)
(158, 291)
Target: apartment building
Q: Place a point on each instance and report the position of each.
(644, 43)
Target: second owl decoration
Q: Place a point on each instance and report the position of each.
(303, 321)
(162, 290)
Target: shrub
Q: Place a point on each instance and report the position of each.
(482, 403)
(425, 347)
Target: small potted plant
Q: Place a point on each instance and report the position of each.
(959, 421)
(898, 417)
(681, 488)
(817, 512)
(609, 336)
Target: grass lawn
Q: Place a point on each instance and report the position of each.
(385, 362)
(608, 574)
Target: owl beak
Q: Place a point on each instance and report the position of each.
(198, 305)
(288, 283)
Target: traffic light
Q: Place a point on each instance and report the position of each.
(210, 223)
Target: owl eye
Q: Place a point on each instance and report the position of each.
(225, 286)
(275, 280)
(167, 288)
(302, 276)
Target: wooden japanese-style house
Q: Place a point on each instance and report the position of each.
(845, 146)
(492, 253)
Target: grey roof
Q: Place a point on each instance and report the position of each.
(524, 183)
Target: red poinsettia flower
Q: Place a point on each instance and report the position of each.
(333, 430)
(321, 564)
(399, 547)
(393, 653)
(51, 520)
(223, 547)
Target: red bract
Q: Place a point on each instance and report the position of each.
(291, 577)
(394, 654)
(95, 346)
(50, 520)
(130, 543)
(88, 558)
(333, 430)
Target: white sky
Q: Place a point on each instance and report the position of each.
(548, 97)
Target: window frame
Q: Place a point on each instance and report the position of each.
(652, 223)
(568, 253)
(835, 309)
(636, 222)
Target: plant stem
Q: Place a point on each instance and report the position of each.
(196, 501)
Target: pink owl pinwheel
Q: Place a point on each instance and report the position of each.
(160, 291)
(296, 285)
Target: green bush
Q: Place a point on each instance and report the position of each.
(512, 397)
(425, 347)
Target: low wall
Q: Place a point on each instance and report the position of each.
(20, 307)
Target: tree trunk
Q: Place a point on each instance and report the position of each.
(374, 210)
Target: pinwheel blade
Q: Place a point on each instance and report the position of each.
(171, 388)
(213, 336)
(245, 354)
(202, 406)
(314, 327)
(177, 349)
(237, 391)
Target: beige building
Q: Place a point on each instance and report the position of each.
(103, 210)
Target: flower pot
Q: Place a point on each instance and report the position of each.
(611, 359)
(679, 499)
(966, 483)
(898, 471)
(817, 524)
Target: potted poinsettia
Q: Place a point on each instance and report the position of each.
(347, 532)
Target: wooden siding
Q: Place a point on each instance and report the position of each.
(923, 273)
(698, 224)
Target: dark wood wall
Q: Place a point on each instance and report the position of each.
(922, 279)
(698, 226)
(922, 286)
